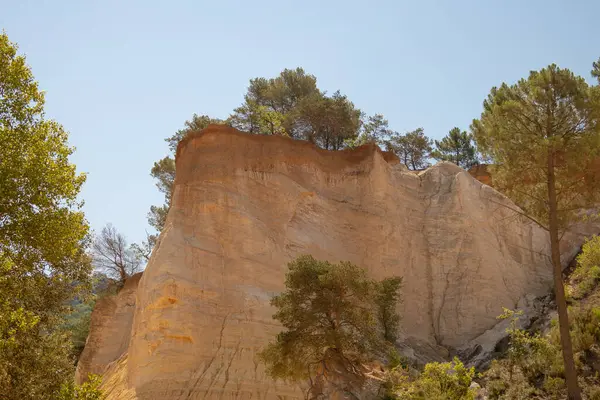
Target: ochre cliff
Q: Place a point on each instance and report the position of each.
(245, 205)
(110, 330)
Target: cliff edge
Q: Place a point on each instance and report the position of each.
(245, 205)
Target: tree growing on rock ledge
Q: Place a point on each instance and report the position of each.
(164, 172)
(543, 134)
(336, 320)
(412, 148)
(112, 256)
(456, 147)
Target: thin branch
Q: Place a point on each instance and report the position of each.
(529, 195)
(522, 214)
(572, 185)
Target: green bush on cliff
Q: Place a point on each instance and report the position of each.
(587, 273)
(533, 366)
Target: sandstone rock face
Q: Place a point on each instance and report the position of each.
(244, 205)
(110, 331)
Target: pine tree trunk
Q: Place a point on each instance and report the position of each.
(559, 289)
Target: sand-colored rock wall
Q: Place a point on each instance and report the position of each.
(244, 205)
(110, 330)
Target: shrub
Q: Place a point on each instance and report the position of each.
(90, 390)
(534, 368)
(501, 383)
(591, 387)
(585, 328)
(555, 387)
(587, 273)
(439, 381)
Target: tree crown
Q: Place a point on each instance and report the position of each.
(554, 115)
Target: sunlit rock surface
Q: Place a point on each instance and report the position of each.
(245, 205)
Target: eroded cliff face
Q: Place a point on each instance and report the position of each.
(245, 205)
(110, 330)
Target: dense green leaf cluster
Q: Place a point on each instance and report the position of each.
(438, 381)
(586, 275)
(335, 319)
(43, 237)
(90, 390)
(554, 115)
(413, 149)
(457, 148)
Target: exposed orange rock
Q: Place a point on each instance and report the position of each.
(245, 205)
(481, 173)
(110, 330)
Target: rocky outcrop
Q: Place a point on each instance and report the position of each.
(110, 330)
(245, 205)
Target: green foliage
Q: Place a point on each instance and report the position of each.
(591, 390)
(77, 323)
(164, 173)
(502, 383)
(143, 250)
(543, 135)
(90, 390)
(531, 353)
(585, 330)
(374, 130)
(259, 119)
(533, 367)
(197, 123)
(43, 237)
(36, 365)
(438, 381)
(449, 381)
(456, 147)
(587, 273)
(269, 103)
(325, 121)
(412, 148)
(292, 105)
(596, 70)
(157, 217)
(550, 116)
(332, 319)
(387, 300)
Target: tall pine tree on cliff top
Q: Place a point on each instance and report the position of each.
(456, 147)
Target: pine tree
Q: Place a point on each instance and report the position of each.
(456, 147)
(543, 134)
(335, 319)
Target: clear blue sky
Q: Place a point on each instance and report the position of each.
(123, 75)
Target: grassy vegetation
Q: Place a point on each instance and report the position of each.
(532, 367)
